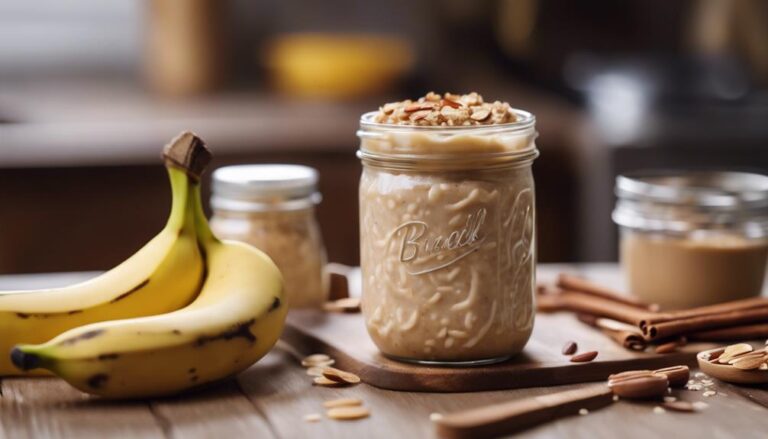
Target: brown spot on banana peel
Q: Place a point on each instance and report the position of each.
(24, 315)
(240, 330)
(84, 336)
(97, 381)
(111, 356)
(141, 285)
(275, 304)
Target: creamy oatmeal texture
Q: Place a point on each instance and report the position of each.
(448, 253)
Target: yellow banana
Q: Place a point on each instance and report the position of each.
(164, 275)
(235, 320)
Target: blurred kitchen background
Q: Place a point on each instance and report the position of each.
(90, 90)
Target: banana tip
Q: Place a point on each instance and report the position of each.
(23, 360)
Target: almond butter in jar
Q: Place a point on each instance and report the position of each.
(693, 238)
(447, 229)
(272, 207)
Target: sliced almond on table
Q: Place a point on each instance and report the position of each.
(323, 381)
(733, 351)
(342, 402)
(340, 376)
(315, 371)
(749, 362)
(348, 413)
(584, 357)
(315, 359)
(348, 304)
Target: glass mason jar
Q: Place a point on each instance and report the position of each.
(272, 207)
(693, 238)
(447, 230)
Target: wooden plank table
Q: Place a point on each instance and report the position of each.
(270, 400)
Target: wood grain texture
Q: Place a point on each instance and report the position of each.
(343, 337)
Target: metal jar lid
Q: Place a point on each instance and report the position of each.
(687, 200)
(261, 188)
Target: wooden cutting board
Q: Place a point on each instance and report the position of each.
(343, 337)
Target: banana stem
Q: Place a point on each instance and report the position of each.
(181, 194)
(204, 233)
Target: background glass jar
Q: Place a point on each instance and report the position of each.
(272, 207)
(693, 238)
(447, 229)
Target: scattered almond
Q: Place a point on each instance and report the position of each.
(640, 387)
(734, 351)
(570, 348)
(348, 413)
(584, 357)
(340, 376)
(315, 371)
(677, 376)
(667, 348)
(323, 381)
(347, 304)
(342, 402)
(314, 360)
(749, 362)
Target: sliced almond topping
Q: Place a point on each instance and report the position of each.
(419, 106)
(348, 413)
(342, 402)
(480, 115)
(419, 115)
(340, 376)
(450, 103)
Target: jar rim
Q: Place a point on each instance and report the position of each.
(523, 121)
(727, 190)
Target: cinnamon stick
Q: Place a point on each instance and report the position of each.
(736, 305)
(733, 333)
(709, 321)
(628, 336)
(586, 303)
(574, 283)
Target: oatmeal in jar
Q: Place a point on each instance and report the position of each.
(272, 207)
(448, 229)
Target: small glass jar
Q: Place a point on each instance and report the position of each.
(272, 207)
(693, 238)
(447, 231)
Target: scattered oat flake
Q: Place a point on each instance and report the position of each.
(583, 412)
(615, 398)
(435, 416)
(700, 405)
(700, 375)
(659, 410)
(709, 393)
(312, 417)
(670, 399)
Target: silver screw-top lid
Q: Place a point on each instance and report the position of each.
(258, 188)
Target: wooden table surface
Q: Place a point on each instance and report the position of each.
(270, 400)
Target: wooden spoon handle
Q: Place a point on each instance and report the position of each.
(509, 417)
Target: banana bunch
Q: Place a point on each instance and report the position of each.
(164, 275)
(234, 321)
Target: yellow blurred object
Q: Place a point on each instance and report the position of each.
(337, 66)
